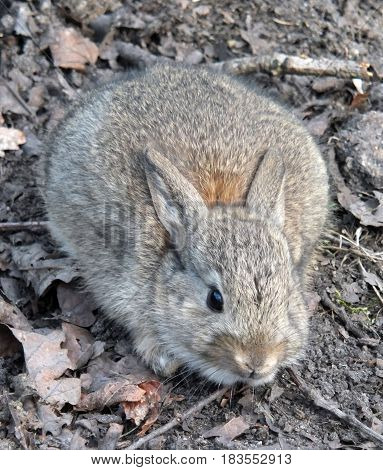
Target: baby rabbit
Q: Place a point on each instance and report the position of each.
(193, 206)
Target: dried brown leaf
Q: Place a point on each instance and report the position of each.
(103, 370)
(362, 210)
(79, 344)
(147, 407)
(228, 431)
(359, 99)
(46, 361)
(10, 139)
(44, 356)
(367, 212)
(51, 420)
(29, 257)
(71, 50)
(110, 394)
(60, 391)
(12, 316)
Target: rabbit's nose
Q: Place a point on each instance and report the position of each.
(259, 368)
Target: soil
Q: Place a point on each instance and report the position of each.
(344, 367)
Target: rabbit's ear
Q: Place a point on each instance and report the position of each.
(266, 195)
(176, 201)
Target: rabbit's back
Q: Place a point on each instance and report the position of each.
(213, 128)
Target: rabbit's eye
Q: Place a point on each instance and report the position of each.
(215, 300)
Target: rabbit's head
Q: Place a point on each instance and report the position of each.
(228, 301)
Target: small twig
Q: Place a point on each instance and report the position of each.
(331, 407)
(346, 250)
(353, 247)
(17, 226)
(278, 64)
(177, 420)
(338, 239)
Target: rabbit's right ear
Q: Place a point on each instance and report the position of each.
(266, 195)
(176, 201)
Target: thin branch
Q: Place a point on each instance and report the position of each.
(275, 64)
(353, 247)
(18, 226)
(346, 250)
(331, 407)
(279, 64)
(177, 420)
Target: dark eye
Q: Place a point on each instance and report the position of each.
(215, 300)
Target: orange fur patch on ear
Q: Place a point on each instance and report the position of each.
(221, 188)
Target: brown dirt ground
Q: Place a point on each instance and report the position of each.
(339, 365)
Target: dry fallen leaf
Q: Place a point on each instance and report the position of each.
(103, 370)
(10, 139)
(46, 361)
(79, 344)
(125, 382)
(52, 421)
(229, 431)
(28, 257)
(71, 50)
(148, 406)
(367, 212)
(12, 316)
(110, 394)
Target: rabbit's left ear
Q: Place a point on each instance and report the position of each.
(176, 201)
(266, 195)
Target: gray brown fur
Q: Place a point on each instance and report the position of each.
(211, 184)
